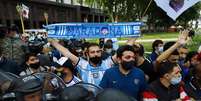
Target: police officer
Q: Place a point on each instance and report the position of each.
(28, 88)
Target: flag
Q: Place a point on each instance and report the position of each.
(174, 8)
(25, 11)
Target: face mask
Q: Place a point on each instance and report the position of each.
(128, 65)
(95, 60)
(109, 51)
(160, 49)
(35, 65)
(176, 80)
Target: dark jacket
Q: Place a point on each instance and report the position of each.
(9, 66)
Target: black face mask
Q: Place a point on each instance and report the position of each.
(128, 65)
(35, 65)
(95, 60)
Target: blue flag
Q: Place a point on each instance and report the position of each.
(94, 30)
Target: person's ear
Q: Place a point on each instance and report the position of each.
(27, 63)
(167, 76)
(118, 60)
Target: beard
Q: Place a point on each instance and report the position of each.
(96, 60)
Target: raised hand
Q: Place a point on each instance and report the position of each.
(183, 37)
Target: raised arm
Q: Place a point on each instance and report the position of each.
(64, 51)
(182, 40)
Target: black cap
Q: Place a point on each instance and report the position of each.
(28, 84)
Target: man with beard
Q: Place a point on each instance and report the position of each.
(92, 69)
(125, 77)
(31, 65)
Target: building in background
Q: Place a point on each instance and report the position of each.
(57, 10)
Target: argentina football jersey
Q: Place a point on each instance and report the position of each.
(90, 74)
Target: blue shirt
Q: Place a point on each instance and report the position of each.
(153, 56)
(90, 74)
(132, 84)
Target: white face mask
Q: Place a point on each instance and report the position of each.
(176, 80)
(160, 49)
(108, 51)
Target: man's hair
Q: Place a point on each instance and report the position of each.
(168, 45)
(91, 45)
(190, 55)
(124, 48)
(156, 43)
(166, 67)
(139, 49)
(175, 52)
(28, 55)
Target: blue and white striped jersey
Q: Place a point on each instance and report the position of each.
(90, 74)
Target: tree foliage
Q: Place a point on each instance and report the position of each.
(132, 10)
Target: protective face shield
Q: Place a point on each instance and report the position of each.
(28, 86)
(6, 82)
(8, 94)
(52, 85)
(80, 92)
(113, 95)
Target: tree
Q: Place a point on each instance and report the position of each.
(132, 10)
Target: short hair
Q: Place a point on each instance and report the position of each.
(190, 55)
(168, 45)
(166, 67)
(92, 45)
(108, 45)
(124, 48)
(139, 49)
(28, 55)
(156, 43)
(175, 52)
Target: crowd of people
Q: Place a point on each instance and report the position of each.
(170, 72)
